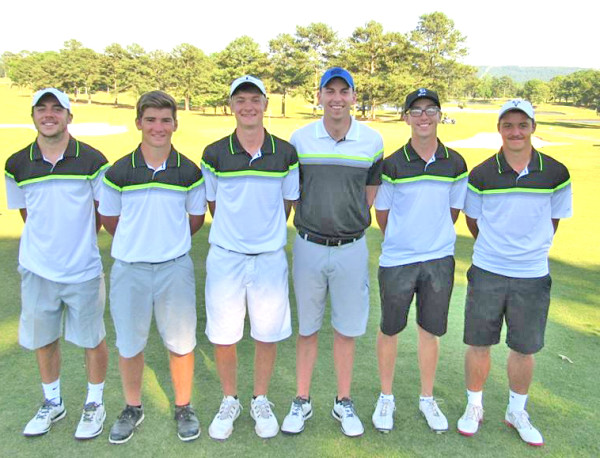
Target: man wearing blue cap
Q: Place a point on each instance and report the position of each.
(55, 183)
(340, 169)
(514, 202)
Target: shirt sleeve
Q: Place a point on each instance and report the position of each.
(97, 184)
(110, 201)
(562, 203)
(374, 176)
(210, 183)
(291, 184)
(195, 200)
(473, 204)
(458, 192)
(15, 196)
(384, 197)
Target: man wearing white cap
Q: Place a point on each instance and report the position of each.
(515, 200)
(55, 183)
(251, 181)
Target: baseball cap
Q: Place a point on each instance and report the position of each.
(62, 98)
(336, 72)
(247, 79)
(421, 93)
(517, 105)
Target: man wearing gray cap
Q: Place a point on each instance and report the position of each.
(514, 202)
(251, 180)
(55, 183)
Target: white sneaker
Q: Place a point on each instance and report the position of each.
(92, 421)
(469, 423)
(343, 411)
(266, 423)
(46, 415)
(383, 417)
(435, 418)
(222, 425)
(301, 410)
(520, 421)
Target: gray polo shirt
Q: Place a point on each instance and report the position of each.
(333, 179)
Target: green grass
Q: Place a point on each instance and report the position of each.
(564, 402)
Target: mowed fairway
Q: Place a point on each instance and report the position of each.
(564, 401)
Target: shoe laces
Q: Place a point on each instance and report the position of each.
(386, 404)
(227, 409)
(262, 408)
(297, 404)
(89, 411)
(348, 407)
(432, 407)
(129, 413)
(185, 413)
(521, 420)
(44, 411)
(474, 413)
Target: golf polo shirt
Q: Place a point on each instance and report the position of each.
(514, 213)
(153, 206)
(334, 176)
(249, 193)
(59, 238)
(419, 196)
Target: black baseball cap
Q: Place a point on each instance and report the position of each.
(421, 93)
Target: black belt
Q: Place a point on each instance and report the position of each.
(328, 241)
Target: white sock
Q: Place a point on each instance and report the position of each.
(516, 401)
(425, 398)
(389, 397)
(475, 398)
(95, 392)
(52, 391)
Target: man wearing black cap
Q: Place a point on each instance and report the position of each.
(514, 202)
(423, 191)
(55, 183)
(340, 165)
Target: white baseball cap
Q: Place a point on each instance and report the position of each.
(250, 80)
(62, 98)
(517, 105)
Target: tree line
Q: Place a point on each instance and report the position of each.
(385, 65)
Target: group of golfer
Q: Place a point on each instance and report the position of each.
(331, 172)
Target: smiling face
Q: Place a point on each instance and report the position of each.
(423, 126)
(248, 105)
(51, 118)
(516, 129)
(157, 126)
(337, 99)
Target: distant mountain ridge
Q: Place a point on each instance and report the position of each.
(522, 74)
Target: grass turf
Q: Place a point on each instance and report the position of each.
(563, 401)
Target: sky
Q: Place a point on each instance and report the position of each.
(505, 32)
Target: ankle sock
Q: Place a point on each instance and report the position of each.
(475, 398)
(52, 391)
(95, 392)
(516, 401)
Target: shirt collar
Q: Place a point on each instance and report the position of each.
(535, 163)
(72, 150)
(235, 147)
(137, 158)
(352, 133)
(411, 155)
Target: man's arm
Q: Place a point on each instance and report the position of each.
(110, 223)
(555, 222)
(196, 222)
(23, 212)
(371, 193)
(472, 225)
(382, 218)
(212, 206)
(287, 206)
(97, 216)
(454, 212)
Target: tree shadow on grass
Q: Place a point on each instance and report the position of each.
(569, 125)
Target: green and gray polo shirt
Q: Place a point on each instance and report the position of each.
(419, 196)
(333, 179)
(514, 213)
(153, 206)
(59, 238)
(249, 193)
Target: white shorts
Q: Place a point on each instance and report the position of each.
(343, 271)
(44, 302)
(167, 288)
(234, 281)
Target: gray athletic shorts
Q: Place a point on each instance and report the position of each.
(431, 281)
(343, 271)
(167, 288)
(44, 302)
(522, 302)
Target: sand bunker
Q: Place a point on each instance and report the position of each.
(493, 140)
(91, 129)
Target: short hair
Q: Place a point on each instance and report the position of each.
(155, 99)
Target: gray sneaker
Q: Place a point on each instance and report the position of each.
(188, 426)
(123, 428)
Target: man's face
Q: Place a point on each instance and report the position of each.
(50, 117)
(249, 107)
(157, 126)
(423, 125)
(337, 99)
(516, 129)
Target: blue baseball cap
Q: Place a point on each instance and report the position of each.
(336, 72)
